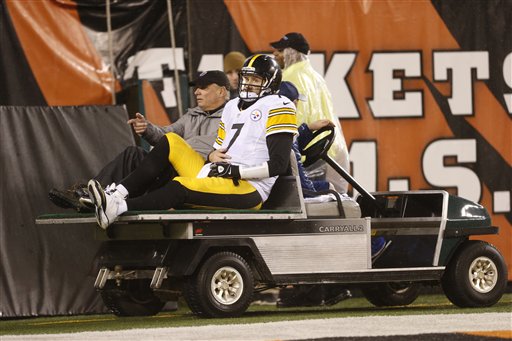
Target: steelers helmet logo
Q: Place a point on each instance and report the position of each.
(256, 115)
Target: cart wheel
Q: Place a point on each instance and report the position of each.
(391, 294)
(476, 276)
(222, 287)
(132, 298)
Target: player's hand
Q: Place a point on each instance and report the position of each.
(139, 124)
(320, 124)
(224, 170)
(219, 155)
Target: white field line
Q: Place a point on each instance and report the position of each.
(305, 329)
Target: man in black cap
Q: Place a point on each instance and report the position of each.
(209, 91)
(293, 40)
(292, 52)
(198, 127)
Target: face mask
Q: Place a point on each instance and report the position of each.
(248, 96)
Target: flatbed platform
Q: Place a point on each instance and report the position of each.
(173, 215)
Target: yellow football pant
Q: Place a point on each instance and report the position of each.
(210, 192)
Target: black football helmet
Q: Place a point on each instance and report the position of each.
(267, 69)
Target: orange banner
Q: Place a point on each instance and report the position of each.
(60, 53)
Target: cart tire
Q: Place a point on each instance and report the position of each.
(391, 294)
(476, 276)
(132, 298)
(222, 287)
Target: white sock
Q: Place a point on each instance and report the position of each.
(122, 190)
(122, 193)
(122, 207)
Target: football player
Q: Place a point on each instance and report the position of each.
(252, 148)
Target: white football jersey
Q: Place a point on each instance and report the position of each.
(244, 132)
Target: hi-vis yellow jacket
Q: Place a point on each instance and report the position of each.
(318, 105)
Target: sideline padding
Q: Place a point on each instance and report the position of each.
(45, 271)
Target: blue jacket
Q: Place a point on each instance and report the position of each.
(304, 137)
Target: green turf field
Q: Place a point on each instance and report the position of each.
(426, 304)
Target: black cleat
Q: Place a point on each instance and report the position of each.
(71, 198)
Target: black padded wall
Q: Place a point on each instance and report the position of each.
(46, 270)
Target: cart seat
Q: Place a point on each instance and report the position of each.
(328, 206)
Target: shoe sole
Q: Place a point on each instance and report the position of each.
(60, 201)
(98, 199)
(86, 202)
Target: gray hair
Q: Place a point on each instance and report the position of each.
(292, 56)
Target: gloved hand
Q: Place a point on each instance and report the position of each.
(224, 170)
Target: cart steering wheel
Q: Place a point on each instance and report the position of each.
(316, 150)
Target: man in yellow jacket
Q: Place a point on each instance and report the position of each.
(291, 53)
(315, 103)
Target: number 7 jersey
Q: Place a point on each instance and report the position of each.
(243, 133)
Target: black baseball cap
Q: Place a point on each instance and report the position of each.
(206, 78)
(294, 40)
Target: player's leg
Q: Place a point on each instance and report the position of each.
(123, 164)
(170, 149)
(219, 193)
